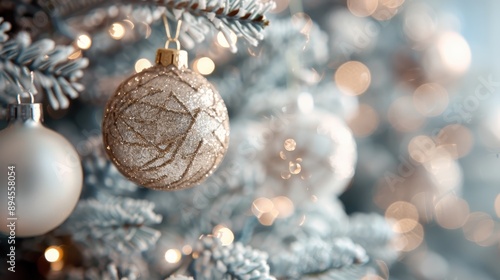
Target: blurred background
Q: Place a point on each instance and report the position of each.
(387, 107)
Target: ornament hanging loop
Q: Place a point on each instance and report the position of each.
(32, 98)
(171, 39)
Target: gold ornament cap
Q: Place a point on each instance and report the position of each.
(166, 57)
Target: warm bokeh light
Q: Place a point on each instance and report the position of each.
(364, 122)
(116, 31)
(478, 227)
(497, 205)
(362, 8)
(76, 54)
(57, 265)
(267, 219)
(142, 64)
(262, 205)
(454, 52)
(430, 99)
(410, 240)
(353, 78)
(451, 212)
(173, 256)
(403, 116)
(425, 206)
(281, 5)
(421, 148)
(391, 3)
(83, 41)
(419, 22)
(289, 145)
(386, 9)
(457, 139)
(302, 22)
(204, 65)
(284, 206)
(224, 234)
(222, 41)
(53, 254)
(401, 210)
(187, 249)
(305, 102)
(444, 171)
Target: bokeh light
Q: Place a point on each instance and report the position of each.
(53, 254)
(222, 41)
(142, 64)
(404, 216)
(204, 65)
(353, 78)
(497, 205)
(364, 122)
(281, 5)
(284, 206)
(478, 227)
(403, 116)
(302, 22)
(457, 139)
(387, 9)
(362, 8)
(451, 211)
(173, 256)
(187, 249)
(410, 240)
(421, 148)
(454, 52)
(419, 22)
(430, 99)
(83, 41)
(116, 31)
(224, 234)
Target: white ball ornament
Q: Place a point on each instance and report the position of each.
(40, 174)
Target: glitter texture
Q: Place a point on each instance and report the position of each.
(166, 128)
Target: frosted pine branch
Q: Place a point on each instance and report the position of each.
(316, 256)
(246, 18)
(54, 72)
(231, 262)
(114, 225)
(243, 17)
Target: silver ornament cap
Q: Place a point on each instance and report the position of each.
(25, 112)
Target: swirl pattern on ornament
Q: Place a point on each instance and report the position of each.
(166, 128)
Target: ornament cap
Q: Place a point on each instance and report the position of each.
(25, 112)
(166, 57)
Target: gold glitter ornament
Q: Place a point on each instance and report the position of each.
(167, 127)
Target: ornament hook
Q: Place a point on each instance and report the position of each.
(32, 98)
(177, 32)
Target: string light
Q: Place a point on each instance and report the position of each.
(222, 41)
(142, 64)
(173, 256)
(224, 234)
(117, 31)
(204, 65)
(83, 41)
(53, 254)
